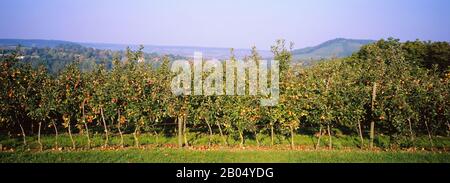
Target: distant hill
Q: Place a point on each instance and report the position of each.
(333, 48)
(183, 51)
(38, 43)
(58, 57)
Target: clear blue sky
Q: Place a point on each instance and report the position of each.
(224, 23)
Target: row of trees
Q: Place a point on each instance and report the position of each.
(379, 90)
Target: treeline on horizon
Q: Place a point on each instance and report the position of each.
(56, 58)
(388, 88)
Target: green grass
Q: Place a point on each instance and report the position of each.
(198, 139)
(159, 150)
(165, 155)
